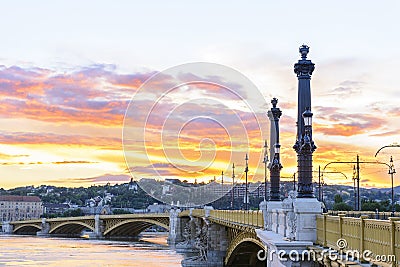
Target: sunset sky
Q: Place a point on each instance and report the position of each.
(68, 70)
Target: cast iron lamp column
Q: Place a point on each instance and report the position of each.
(304, 145)
(276, 166)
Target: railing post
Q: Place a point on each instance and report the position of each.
(393, 234)
(362, 225)
(341, 215)
(324, 244)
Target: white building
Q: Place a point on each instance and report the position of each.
(14, 208)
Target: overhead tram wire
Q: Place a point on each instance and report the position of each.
(358, 162)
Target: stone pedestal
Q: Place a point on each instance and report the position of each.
(263, 208)
(273, 208)
(7, 228)
(305, 216)
(45, 228)
(175, 229)
(98, 226)
(282, 219)
(207, 210)
(281, 252)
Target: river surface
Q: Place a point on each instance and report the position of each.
(150, 250)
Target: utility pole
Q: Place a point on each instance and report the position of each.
(358, 183)
(246, 170)
(319, 183)
(391, 172)
(354, 187)
(294, 181)
(233, 186)
(323, 183)
(265, 161)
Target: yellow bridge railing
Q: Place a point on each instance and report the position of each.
(381, 237)
(250, 218)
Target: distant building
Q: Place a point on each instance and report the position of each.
(133, 186)
(14, 208)
(99, 210)
(95, 202)
(158, 208)
(52, 208)
(172, 181)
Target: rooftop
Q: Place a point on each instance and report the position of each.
(20, 198)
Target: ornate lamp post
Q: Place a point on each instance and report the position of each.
(276, 166)
(391, 172)
(304, 145)
(246, 170)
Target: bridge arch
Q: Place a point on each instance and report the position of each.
(132, 227)
(27, 229)
(73, 227)
(243, 250)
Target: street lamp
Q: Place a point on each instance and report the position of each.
(304, 145)
(391, 172)
(307, 117)
(275, 168)
(246, 170)
(277, 148)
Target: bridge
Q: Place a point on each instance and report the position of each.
(101, 226)
(236, 237)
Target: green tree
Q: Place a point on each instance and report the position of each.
(338, 199)
(342, 206)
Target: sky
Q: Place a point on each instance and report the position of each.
(68, 70)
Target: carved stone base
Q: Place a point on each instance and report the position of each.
(272, 215)
(278, 250)
(306, 210)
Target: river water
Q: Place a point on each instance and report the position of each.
(150, 250)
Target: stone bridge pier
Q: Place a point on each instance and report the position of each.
(45, 228)
(7, 228)
(196, 234)
(175, 227)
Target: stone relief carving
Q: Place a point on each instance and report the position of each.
(291, 216)
(186, 235)
(201, 243)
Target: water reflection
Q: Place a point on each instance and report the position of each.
(150, 250)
